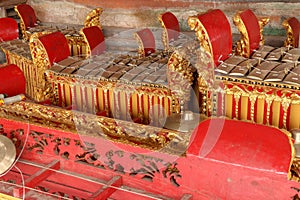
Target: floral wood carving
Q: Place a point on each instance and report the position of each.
(67, 148)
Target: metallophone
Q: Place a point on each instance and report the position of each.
(81, 140)
(256, 84)
(274, 72)
(30, 24)
(122, 86)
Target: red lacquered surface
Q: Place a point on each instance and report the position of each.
(12, 80)
(27, 14)
(56, 46)
(295, 25)
(251, 23)
(8, 29)
(148, 40)
(95, 38)
(210, 176)
(244, 144)
(172, 25)
(219, 32)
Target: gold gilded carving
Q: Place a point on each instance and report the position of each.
(38, 52)
(180, 72)
(38, 114)
(205, 66)
(93, 18)
(295, 98)
(290, 40)
(201, 33)
(84, 44)
(128, 132)
(41, 63)
(285, 105)
(242, 46)
(182, 66)
(165, 38)
(265, 100)
(237, 93)
(252, 97)
(262, 23)
(295, 170)
(22, 25)
(7, 197)
(109, 93)
(87, 124)
(24, 63)
(141, 50)
(77, 45)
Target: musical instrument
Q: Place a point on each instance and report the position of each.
(264, 88)
(122, 86)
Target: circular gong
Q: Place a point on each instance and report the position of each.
(7, 153)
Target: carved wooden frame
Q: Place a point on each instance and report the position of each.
(243, 45)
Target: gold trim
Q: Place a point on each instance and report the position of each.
(262, 23)
(106, 91)
(85, 43)
(165, 37)
(22, 25)
(266, 97)
(290, 40)
(41, 64)
(201, 34)
(93, 18)
(150, 137)
(141, 50)
(242, 46)
(293, 151)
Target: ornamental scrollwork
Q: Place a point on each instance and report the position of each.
(22, 25)
(93, 18)
(262, 23)
(243, 45)
(68, 147)
(201, 34)
(41, 62)
(165, 38)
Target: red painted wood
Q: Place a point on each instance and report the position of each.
(95, 38)
(8, 29)
(244, 144)
(251, 23)
(295, 25)
(62, 180)
(241, 165)
(148, 40)
(12, 80)
(171, 24)
(56, 46)
(219, 31)
(187, 197)
(27, 14)
(38, 177)
(60, 188)
(107, 189)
